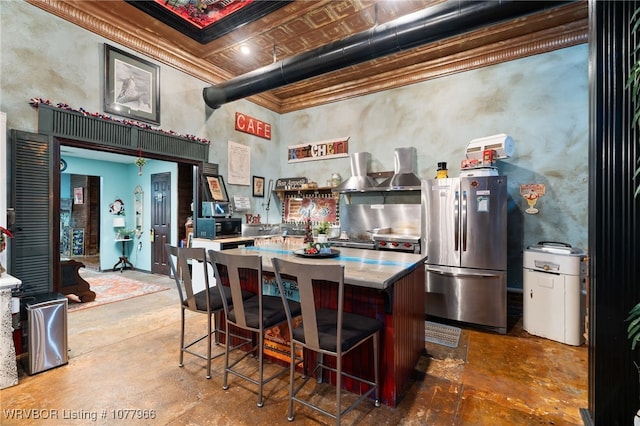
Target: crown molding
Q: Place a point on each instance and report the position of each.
(494, 45)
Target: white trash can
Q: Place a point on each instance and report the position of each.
(554, 304)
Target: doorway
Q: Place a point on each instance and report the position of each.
(179, 196)
(80, 217)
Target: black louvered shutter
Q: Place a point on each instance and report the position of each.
(31, 174)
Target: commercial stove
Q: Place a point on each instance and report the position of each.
(397, 242)
(392, 242)
(352, 243)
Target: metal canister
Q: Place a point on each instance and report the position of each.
(336, 179)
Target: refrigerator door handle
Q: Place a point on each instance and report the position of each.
(483, 274)
(456, 221)
(464, 220)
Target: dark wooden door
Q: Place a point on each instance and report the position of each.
(160, 221)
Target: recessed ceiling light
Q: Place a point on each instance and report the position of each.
(245, 49)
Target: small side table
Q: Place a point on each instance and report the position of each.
(124, 260)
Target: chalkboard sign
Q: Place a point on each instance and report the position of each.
(291, 183)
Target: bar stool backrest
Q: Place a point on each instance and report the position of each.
(237, 268)
(184, 263)
(305, 275)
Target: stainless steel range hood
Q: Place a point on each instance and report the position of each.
(359, 180)
(404, 177)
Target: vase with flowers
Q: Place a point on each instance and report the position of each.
(140, 162)
(4, 234)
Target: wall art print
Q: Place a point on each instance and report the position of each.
(258, 186)
(323, 150)
(131, 86)
(317, 209)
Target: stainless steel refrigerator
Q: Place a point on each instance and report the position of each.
(465, 238)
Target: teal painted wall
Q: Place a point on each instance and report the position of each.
(118, 181)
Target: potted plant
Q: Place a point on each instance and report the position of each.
(633, 333)
(633, 83)
(322, 229)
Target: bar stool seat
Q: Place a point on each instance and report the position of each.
(354, 328)
(272, 311)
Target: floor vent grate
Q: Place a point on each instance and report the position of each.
(441, 334)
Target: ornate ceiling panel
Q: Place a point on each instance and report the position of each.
(300, 26)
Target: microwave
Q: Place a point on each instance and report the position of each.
(218, 227)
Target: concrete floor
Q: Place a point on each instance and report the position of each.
(123, 362)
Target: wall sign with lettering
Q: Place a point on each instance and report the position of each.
(290, 183)
(253, 126)
(334, 148)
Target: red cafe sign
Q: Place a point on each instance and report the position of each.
(253, 126)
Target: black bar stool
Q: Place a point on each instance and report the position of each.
(326, 330)
(256, 314)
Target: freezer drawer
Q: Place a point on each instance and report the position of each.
(472, 296)
(47, 332)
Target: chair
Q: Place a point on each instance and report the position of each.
(326, 330)
(256, 314)
(184, 264)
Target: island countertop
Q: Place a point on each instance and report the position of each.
(365, 268)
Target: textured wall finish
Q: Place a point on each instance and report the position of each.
(541, 101)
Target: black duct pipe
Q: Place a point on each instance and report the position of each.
(435, 23)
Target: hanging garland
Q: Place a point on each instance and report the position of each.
(35, 102)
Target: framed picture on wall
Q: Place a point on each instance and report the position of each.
(131, 86)
(217, 190)
(258, 186)
(78, 195)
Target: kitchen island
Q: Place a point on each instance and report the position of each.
(385, 285)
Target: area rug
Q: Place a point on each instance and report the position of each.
(441, 334)
(110, 288)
